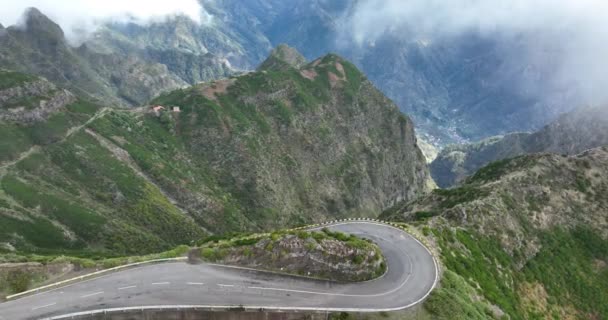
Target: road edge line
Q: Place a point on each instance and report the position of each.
(90, 275)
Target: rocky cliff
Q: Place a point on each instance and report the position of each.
(322, 254)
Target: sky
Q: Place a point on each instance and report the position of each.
(84, 15)
(576, 31)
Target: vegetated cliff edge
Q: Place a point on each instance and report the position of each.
(322, 254)
(571, 133)
(281, 146)
(526, 237)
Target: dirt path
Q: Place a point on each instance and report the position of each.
(68, 133)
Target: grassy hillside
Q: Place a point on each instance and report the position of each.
(259, 151)
(526, 235)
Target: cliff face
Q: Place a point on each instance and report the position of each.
(267, 149)
(571, 133)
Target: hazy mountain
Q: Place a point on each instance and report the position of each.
(39, 47)
(458, 88)
(571, 133)
(277, 147)
(463, 87)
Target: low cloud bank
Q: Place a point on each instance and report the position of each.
(78, 17)
(573, 33)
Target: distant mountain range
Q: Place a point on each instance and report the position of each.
(456, 89)
(571, 133)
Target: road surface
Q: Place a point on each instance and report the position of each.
(411, 275)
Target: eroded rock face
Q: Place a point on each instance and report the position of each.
(33, 101)
(312, 254)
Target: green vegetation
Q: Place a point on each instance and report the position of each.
(284, 251)
(564, 267)
(452, 197)
(9, 79)
(454, 299)
(83, 222)
(237, 158)
(423, 215)
(15, 281)
(19, 138)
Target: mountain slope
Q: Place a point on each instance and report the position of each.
(571, 133)
(262, 150)
(47, 202)
(526, 237)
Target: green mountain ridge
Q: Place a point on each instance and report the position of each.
(258, 151)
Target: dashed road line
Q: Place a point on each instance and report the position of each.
(129, 287)
(160, 283)
(92, 294)
(225, 285)
(195, 283)
(44, 306)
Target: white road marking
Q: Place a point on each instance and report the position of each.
(225, 285)
(160, 283)
(92, 294)
(44, 306)
(328, 293)
(129, 287)
(195, 283)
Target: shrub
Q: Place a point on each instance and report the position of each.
(18, 280)
(245, 242)
(422, 215)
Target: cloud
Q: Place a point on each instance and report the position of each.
(78, 15)
(575, 31)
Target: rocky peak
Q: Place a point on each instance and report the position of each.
(38, 23)
(283, 56)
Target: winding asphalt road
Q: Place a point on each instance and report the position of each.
(411, 275)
